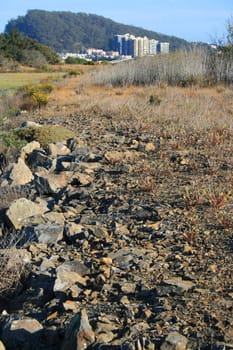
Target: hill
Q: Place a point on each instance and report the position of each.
(67, 31)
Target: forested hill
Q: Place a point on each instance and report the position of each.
(67, 31)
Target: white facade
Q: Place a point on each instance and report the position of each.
(128, 44)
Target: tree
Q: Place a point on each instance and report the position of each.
(229, 28)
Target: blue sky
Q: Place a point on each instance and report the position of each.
(199, 20)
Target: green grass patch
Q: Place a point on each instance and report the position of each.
(17, 80)
(19, 137)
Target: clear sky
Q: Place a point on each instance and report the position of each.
(193, 20)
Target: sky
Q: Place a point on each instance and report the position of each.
(193, 20)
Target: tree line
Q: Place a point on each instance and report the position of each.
(16, 48)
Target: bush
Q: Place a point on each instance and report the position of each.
(35, 96)
(11, 139)
(76, 60)
(44, 134)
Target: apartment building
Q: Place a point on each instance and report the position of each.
(129, 45)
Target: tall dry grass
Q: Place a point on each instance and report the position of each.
(184, 68)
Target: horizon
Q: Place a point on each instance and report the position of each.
(194, 22)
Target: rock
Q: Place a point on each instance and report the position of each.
(106, 261)
(48, 233)
(2, 346)
(58, 149)
(50, 217)
(67, 276)
(175, 341)
(38, 159)
(114, 157)
(144, 213)
(149, 147)
(79, 179)
(20, 173)
(79, 334)
(17, 333)
(22, 209)
(29, 148)
(47, 183)
(30, 124)
(182, 285)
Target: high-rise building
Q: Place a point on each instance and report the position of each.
(129, 45)
(164, 47)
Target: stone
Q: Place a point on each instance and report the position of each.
(67, 277)
(48, 233)
(106, 261)
(47, 183)
(2, 346)
(30, 124)
(38, 159)
(79, 334)
(20, 173)
(175, 341)
(149, 147)
(23, 208)
(58, 149)
(16, 333)
(79, 179)
(182, 285)
(29, 148)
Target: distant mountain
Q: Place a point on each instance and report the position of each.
(70, 32)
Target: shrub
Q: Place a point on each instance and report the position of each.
(35, 96)
(45, 134)
(154, 100)
(11, 139)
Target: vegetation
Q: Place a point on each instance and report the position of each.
(67, 31)
(77, 60)
(17, 49)
(45, 134)
(183, 68)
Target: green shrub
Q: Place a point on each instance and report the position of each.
(45, 134)
(35, 96)
(73, 73)
(11, 139)
(155, 100)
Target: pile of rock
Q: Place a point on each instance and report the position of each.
(97, 255)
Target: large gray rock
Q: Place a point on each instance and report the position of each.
(69, 274)
(22, 209)
(79, 334)
(20, 173)
(175, 341)
(48, 233)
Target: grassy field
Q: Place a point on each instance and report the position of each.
(16, 80)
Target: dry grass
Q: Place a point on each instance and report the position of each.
(12, 266)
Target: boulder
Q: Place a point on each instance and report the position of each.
(22, 209)
(175, 341)
(20, 173)
(16, 333)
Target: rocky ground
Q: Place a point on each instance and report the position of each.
(125, 245)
